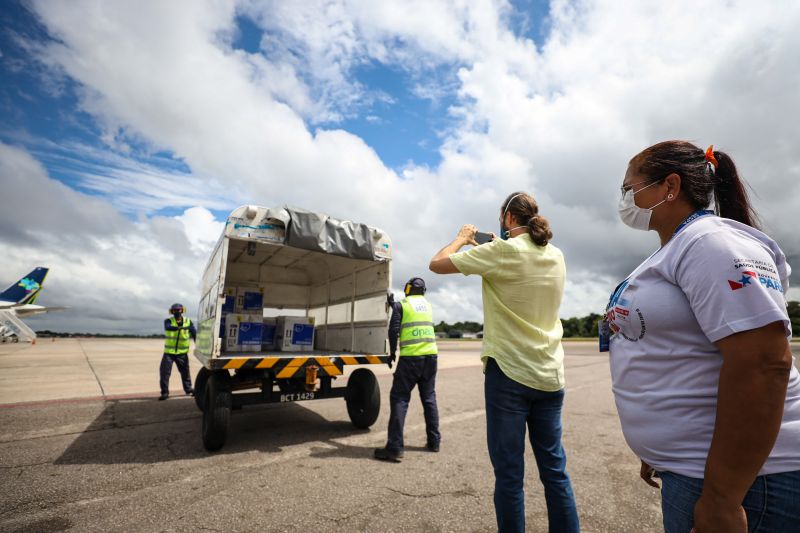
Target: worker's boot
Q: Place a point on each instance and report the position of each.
(385, 454)
(432, 446)
(163, 396)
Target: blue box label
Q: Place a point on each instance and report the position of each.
(228, 306)
(250, 333)
(253, 301)
(303, 334)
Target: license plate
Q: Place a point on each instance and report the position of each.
(297, 397)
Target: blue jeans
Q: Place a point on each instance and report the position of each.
(510, 408)
(772, 504)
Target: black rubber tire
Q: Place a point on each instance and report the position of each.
(363, 397)
(217, 412)
(200, 387)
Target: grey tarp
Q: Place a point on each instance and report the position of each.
(316, 231)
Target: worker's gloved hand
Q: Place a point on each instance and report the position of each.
(392, 359)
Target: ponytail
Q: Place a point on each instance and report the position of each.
(702, 174)
(523, 207)
(730, 193)
(539, 230)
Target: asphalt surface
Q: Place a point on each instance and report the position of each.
(90, 460)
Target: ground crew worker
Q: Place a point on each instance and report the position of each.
(412, 322)
(177, 331)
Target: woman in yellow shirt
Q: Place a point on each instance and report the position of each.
(523, 283)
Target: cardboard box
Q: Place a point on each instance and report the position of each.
(251, 330)
(230, 300)
(295, 334)
(250, 300)
(231, 332)
(243, 332)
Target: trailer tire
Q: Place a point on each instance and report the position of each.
(363, 397)
(200, 387)
(217, 412)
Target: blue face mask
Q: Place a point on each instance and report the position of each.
(506, 233)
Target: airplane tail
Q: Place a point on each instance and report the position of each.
(26, 290)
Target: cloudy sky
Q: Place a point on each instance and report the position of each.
(130, 129)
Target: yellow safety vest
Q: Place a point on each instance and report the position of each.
(417, 336)
(177, 342)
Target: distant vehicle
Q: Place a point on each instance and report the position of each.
(19, 301)
(289, 298)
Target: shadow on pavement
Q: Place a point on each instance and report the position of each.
(148, 431)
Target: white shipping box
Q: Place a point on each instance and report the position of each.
(243, 332)
(231, 332)
(294, 334)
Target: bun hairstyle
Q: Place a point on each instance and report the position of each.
(525, 211)
(702, 174)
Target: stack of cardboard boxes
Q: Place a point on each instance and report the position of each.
(245, 329)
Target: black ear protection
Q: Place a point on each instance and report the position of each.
(409, 286)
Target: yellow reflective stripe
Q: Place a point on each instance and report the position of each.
(332, 370)
(374, 359)
(235, 363)
(348, 360)
(267, 362)
(289, 370)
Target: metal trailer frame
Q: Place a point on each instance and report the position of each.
(279, 377)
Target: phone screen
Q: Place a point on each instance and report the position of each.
(483, 238)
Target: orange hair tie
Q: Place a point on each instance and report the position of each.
(710, 157)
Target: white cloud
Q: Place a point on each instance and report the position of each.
(115, 274)
(560, 120)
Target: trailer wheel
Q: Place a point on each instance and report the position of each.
(200, 387)
(363, 397)
(217, 412)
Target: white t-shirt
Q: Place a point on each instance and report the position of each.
(716, 277)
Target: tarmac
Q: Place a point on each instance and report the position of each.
(85, 446)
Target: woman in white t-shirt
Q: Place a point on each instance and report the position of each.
(701, 365)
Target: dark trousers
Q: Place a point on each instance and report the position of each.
(413, 371)
(182, 361)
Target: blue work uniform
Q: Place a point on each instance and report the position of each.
(412, 371)
(181, 360)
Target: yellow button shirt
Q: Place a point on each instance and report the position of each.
(522, 289)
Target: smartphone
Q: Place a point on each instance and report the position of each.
(483, 238)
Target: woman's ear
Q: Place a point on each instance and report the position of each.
(673, 182)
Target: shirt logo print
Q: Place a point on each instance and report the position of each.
(742, 283)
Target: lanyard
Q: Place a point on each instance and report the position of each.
(612, 301)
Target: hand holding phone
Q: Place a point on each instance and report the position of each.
(483, 238)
